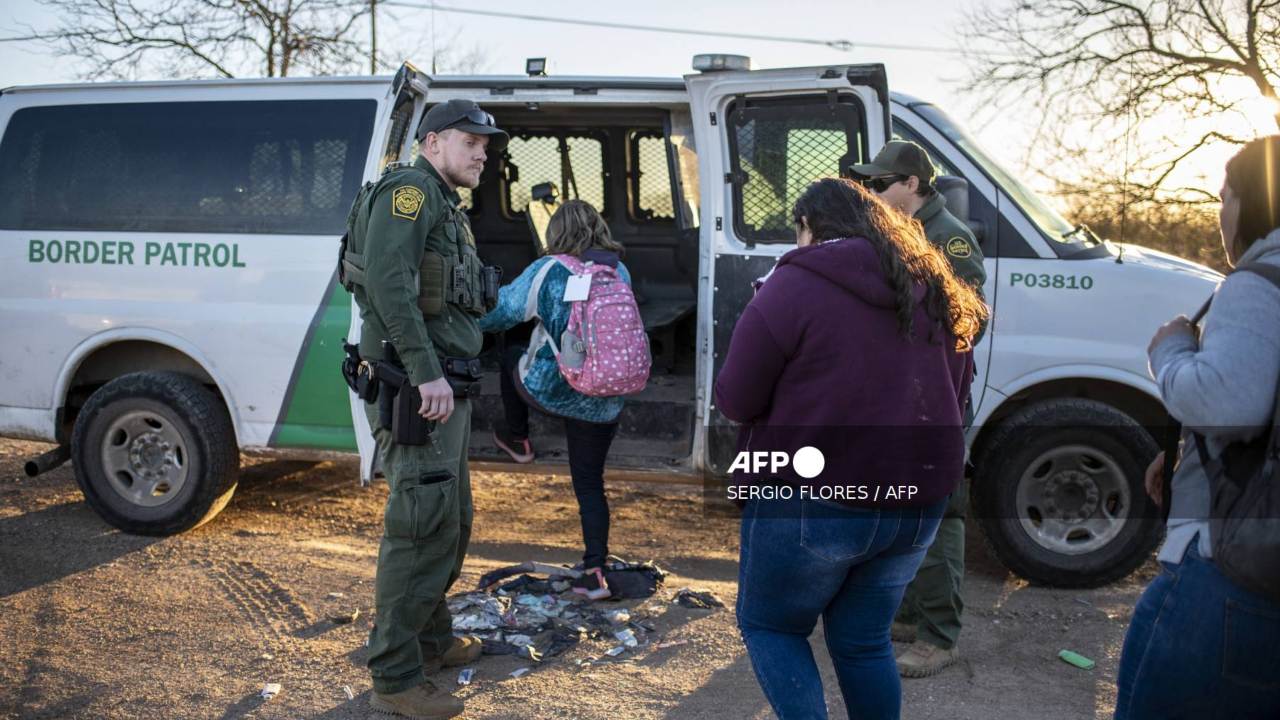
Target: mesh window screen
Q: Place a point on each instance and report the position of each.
(400, 117)
(278, 167)
(573, 162)
(778, 147)
(650, 178)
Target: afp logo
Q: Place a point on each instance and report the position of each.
(808, 462)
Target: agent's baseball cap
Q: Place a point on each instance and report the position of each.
(898, 157)
(464, 115)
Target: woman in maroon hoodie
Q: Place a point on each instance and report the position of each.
(858, 346)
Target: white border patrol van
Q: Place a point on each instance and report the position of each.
(170, 292)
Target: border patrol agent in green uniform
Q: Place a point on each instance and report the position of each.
(410, 261)
(902, 175)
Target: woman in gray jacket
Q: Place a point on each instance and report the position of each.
(1199, 645)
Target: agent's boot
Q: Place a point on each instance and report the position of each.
(923, 659)
(422, 702)
(463, 650)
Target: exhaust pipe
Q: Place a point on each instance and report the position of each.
(48, 461)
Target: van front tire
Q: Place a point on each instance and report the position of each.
(155, 453)
(1058, 490)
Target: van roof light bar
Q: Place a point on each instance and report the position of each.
(717, 62)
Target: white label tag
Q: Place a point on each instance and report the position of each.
(578, 288)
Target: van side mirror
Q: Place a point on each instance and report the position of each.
(545, 201)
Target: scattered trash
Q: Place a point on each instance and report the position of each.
(531, 653)
(697, 599)
(627, 637)
(1084, 602)
(671, 643)
(337, 595)
(490, 646)
(520, 672)
(268, 656)
(269, 691)
(630, 580)
(528, 610)
(464, 677)
(345, 618)
(1076, 659)
(562, 640)
(534, 586)
(351, 694)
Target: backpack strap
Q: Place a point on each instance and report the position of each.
(573, 264)
(1214, 467)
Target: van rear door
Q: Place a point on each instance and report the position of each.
(409, 92)
(762, 137)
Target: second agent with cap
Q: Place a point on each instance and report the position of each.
(418, 283)
(929, 619)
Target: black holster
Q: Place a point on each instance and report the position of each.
(360, 375)
(400, 401)
(407, 426)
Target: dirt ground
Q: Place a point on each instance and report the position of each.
(98, 624)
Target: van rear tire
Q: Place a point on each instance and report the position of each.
(1058, 490)
(155, 453)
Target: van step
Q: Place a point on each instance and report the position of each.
(625, 452)
(656, 425)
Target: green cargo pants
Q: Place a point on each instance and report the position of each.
(425, 531)
(934, 600)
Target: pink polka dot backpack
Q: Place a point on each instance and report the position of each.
(604, 351)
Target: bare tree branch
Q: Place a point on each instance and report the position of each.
(199, 38)
(1111, 68)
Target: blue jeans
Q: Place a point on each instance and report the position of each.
(1199, 646)
(802, 559)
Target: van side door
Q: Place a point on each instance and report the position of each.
(762, 137)
(394, 144)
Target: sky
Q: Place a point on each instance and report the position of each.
(576, 50)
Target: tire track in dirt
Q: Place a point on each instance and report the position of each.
(268, 606)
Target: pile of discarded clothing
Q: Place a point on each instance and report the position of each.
(530, 609)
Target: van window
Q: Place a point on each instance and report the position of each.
(685, 159)
(648, 177)
(573, 162)
(778, 147)
(940, 165)
(278, 167)
(1052, 225)
(401, 116)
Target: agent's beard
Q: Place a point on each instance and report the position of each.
(457, 180)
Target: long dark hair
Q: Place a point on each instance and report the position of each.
(1254, 176)
(836, 208)
(576, 228)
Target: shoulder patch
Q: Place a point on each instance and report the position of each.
(958, 247)
(406, 202)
